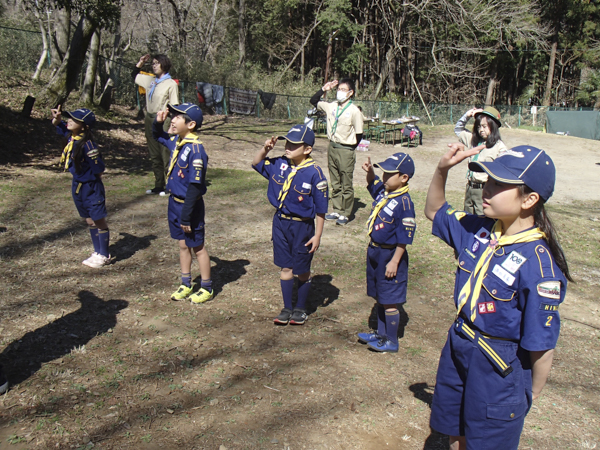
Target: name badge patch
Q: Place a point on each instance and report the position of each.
(185, 154)
(549, 289)
(388, 211)
(503, 275)
(513, 262)
(306, 186)
(392, 204)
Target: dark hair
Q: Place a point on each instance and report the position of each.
(494, 135)
(350, 83)
(78, 148)
(543, 222)
(164, 61)
(188, 119)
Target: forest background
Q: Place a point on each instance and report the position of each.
(525, 52)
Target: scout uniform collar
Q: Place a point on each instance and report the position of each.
(66, 155)
(472, 287)
(288, 182)
(381, 203)
(337, 116)
(190, 138)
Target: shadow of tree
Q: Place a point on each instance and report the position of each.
(24, 356)
(403, 319)
(127, 247)
(322, 293)
(435, 440)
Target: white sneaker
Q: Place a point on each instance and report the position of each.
(162, 193)
(91, 258)
(98, 261)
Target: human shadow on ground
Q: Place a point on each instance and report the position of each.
(322, 293)
(128, 246)
(435, 440)
(24, 356)
(358, 204)
(404, 319)
(224, 272)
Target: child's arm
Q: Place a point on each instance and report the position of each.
(541, 363)
(436, 195)
(56, 115)
(368, 167)
(315, 241)
(391, 268)
(264, 151)
(158, 133)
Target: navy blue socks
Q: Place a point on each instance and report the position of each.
(186, 279)
(392, 322)
(380, 320)
(95, 238)
(287, 289)
(206, 284)
(103, 239)
(303, 289)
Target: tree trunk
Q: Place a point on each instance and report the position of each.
(60, 37)
(389, 56)
(44, 54)
(242, 31)
(548, 91)
(489, 98)
(211, 28)
(65, 78)
(87, 91)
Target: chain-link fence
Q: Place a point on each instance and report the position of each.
(20, 51)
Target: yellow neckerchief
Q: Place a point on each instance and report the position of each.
(472, 287)
(337, 117)
(381, 203)
(66, 154)
(288, 182)
(191, 137)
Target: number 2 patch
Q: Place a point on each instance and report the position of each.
(548, 321)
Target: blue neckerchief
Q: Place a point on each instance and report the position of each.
(166, 76)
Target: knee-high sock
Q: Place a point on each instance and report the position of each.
(95, 239)
(287, 289)
(103, 239)
(380, 320)
(392, 321)
(303, 289)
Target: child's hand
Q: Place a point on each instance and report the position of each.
(56, 115)
(186, 228)
(330, 85)
(161, 116)
(457, 154)
(368, 167)
(473, 111)
(270, 144)
(314, 243)
(143, 60)
(391, 269)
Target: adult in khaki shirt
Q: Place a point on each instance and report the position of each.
(485, 134)
(344, 130)
(161, 90)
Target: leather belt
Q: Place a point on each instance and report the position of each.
(475, 185)
(375, 244)
(296, 218)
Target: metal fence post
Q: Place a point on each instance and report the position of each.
(182, 91)
(288, 107)
(225, 94)
(257, 106)
(520, 115)
(451, 121)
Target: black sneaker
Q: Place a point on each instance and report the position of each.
(284, 317)
(298, 317)
(3, 382)
(155, 191)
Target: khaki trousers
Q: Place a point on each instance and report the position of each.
(473, 201)
(341, 163)
(159, 154)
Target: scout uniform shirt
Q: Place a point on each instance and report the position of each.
(91, 165)
(307, 195)
(343, 122)
(523, 286)
(187, 164)
(165, 92)
(395, 222)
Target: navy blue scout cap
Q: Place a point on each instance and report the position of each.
(522, 165)
(193, 111)
(300, 134)
(398, 162)
(82, 115)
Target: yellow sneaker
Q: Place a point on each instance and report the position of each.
(181, 293)
(202, 296)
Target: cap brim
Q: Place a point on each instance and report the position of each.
(492, 116)
(70, 116)
(174, 109)
(496, 171)
(289, 140)
(386, 169)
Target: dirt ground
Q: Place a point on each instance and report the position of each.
(102, 358)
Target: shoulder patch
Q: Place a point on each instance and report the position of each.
(93, 153)
(549, 289)
(322, 185)
(548, 307)
(409, 222)
(450, 210)
(198, 164)
(459, 215)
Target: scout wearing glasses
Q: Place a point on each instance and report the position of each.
(391, 226)
(82, 158)
(186, 185)
(486, 137)
(298, 191)
(511, 278)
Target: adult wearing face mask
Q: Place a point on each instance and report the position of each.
(344, 130)
(161, 89)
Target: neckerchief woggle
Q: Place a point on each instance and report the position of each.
(337, 117)
(472, 287)
(288, 182)
(381, 203)
(190, 138)
(154, 82)
(66, 154)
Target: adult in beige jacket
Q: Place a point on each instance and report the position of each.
(161, 90)
(486, 134)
